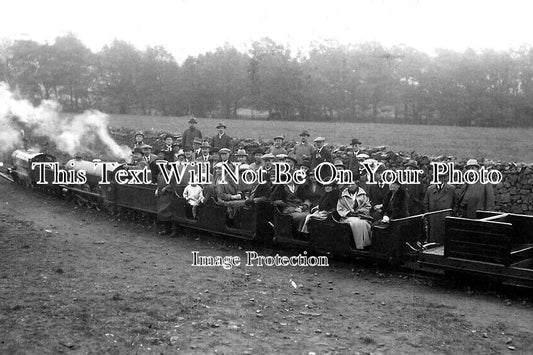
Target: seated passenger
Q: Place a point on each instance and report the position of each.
(395, 204)
(194, 196)
(154, 168)
(262, 192)
(244, 188)
(210, 190)
(353, 207)
(289, 198)
(229, 191)
(376, 193)
(230, 195)
(326, 205)
(137, 161)
(312, 190)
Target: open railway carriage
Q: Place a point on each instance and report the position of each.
(136, 197)
(394, 242)
(250, 221)
(285, 231)
(495, 245)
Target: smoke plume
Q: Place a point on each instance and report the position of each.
(71, 134)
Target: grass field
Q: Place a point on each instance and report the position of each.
(506, 144)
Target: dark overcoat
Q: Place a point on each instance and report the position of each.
(435, 200)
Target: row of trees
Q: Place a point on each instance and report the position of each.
(366, 82)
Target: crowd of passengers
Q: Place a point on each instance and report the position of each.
(358, 204)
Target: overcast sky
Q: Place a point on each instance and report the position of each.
(191, 27)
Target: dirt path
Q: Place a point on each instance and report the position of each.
(74, 280)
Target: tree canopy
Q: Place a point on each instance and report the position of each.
(365, 82)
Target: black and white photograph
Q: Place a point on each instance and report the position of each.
(266, 177)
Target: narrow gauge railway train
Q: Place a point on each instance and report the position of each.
(498, 246)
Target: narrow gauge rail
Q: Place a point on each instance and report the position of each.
(496, 246)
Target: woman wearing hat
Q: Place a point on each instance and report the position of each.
(326, 204)
(354, 207)
(395, 204)
(473, 197)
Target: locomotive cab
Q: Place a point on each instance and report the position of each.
(22, 171)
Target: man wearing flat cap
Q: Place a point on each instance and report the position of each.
(221, 140)
(147, 154)
(473, 197)
(277, 148)
(190, 133)
(224, 155)
(304, 149)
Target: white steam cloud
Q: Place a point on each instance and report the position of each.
(71, 134)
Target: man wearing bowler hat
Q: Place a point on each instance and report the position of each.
(221, 140)
(304, 149)
(191, 133)
(353, 161)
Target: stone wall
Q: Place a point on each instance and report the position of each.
(515, 193)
